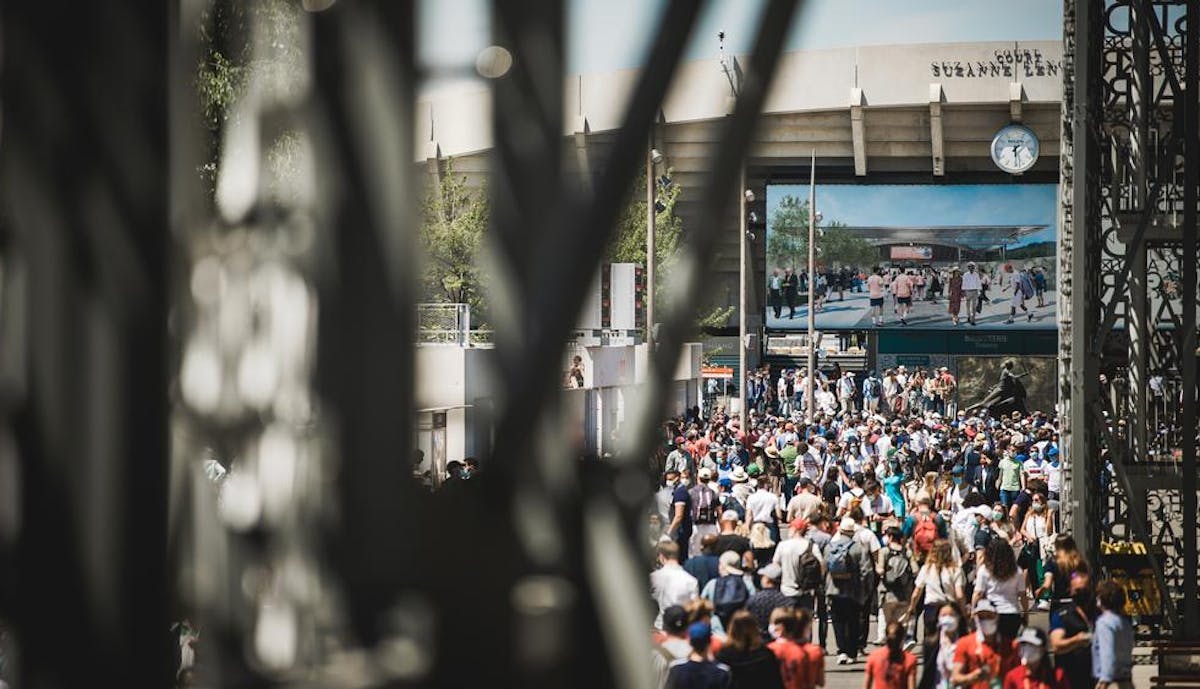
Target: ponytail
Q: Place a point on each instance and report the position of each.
(895, 643)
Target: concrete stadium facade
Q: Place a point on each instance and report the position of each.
(873, 114)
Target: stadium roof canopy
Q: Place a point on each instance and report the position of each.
(967, 237)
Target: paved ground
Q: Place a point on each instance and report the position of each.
(854, 312)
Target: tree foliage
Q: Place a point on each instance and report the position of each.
(787, 242)
(454, 220)
(233, 58)
(629, 243)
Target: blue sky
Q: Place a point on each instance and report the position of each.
(606, 35)
(927, 204)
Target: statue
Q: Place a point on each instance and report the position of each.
(1006, 396)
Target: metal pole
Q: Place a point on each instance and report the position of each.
(1081, 443)
(1187, 352)
(1142, 103)
(812, 275)
(742, 378)
(650, 257)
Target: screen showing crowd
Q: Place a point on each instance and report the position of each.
(913, 256)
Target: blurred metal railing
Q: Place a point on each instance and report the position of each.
(314, 559)
(449, 324)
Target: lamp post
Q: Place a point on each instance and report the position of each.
(812, 277)
(653, 157)
(747, 197)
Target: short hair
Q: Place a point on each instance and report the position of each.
(708, 543)
(1111, 596)
(668, 550)
(856, 513)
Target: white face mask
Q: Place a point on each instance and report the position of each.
(988, 627)
(775, 631)
(1030, 654)
(948, 623)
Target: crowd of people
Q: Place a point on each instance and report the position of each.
(965, 289)
(896, 390)
(940, 526)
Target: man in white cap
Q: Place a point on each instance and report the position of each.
(846, 564)
(982, 659)
(730, 591)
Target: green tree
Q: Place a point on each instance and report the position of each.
(629, 243)
(229, 61)
(787, 242)
(454, 219)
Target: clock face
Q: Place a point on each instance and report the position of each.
(1015, 149)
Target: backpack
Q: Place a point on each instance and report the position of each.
(925, 532)
(1026, 286)
(808, 570)
(729, 595)
(705, 505)
(874, 388)
(842, 564)
(730, 502)
(897, 574)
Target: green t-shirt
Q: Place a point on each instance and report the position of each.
(788, 455)
(1010, 474)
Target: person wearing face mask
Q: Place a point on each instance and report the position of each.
(893, 483)
(983, 659)
(1038, 534)
(939, 647)
(1035, 670)
(801, 662)
(768, 597)
(1003, 584)
(1071, 634)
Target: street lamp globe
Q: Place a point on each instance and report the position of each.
(818, 217)
(656, 156)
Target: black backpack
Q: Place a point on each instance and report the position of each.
(898, 576)
(808, 570)
(729, 595)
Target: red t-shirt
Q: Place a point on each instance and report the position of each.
(888, 675)
(969, 655)
(800, 665)
(1018, 678)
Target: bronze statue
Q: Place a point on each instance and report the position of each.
(1006, 396)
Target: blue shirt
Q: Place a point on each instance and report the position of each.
(1112, 648)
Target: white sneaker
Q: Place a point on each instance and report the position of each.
(909, 643)
(843, 659)
(1043, 605)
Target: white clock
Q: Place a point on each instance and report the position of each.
(1015, 149)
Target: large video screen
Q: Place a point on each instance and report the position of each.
(914, 256)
